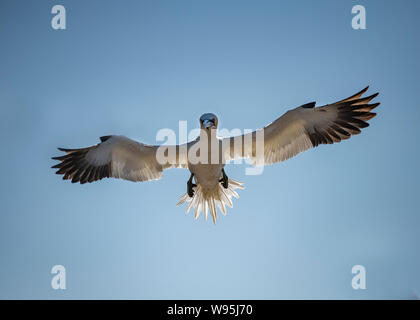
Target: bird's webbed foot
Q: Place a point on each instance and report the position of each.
(224, 180)
(190, 186)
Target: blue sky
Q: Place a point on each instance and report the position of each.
(135, 67)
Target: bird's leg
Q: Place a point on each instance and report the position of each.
(224, 179)
(190, 186)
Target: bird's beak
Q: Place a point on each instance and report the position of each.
(208, 124)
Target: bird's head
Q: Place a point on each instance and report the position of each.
(208, 121)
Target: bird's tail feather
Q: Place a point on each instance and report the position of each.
(209, 200)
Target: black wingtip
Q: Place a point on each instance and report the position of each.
(371, 97)
(104, 138)
(365, 89)
(309, 105)
(362, 91)
(374, 105)
(59, 158)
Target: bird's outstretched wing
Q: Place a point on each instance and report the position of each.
(116, 157)
(303, 128)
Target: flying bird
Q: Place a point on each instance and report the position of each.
(208, 187)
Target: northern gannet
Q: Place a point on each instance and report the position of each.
(297, 130)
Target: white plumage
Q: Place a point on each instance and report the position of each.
(296, 131)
